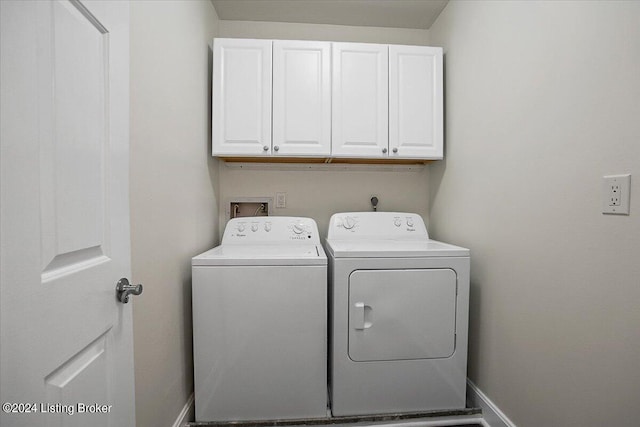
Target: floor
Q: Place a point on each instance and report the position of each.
(411, 419)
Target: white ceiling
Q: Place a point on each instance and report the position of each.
(418, 14)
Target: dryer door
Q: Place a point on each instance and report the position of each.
(402, 314)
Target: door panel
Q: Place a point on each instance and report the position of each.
(360, 100)
(241, 97)
(402, 314)
(73, 161)
(259, 355)
(83, 378)
(301, 98)
(65, 212)
(415, 102)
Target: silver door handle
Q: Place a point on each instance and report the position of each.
(358, 315)
(124, 289)
(361, 316)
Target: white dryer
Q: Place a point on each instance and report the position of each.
(399, 316)
(260, 322)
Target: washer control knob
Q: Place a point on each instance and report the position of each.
(397, 222)
(410, 222)
(267, 226)
(348, 222)
(240, 228)
(298, 228)
(254, 227)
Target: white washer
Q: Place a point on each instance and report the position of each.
(260, 322)
(399, 316)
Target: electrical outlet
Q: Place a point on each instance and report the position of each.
(281, 200)
(615, 194)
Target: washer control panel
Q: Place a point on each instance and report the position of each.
(377, 225)
(271, 229)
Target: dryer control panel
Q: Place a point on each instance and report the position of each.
(271, 230)
(377, 225)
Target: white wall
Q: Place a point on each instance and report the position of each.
(342, 33)
(541, 101)
(320, 193)
(174, 190)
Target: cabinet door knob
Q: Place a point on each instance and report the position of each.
(276, 148)
(395, 149)
(265, 148)
(384, 150)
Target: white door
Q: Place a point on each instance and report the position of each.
(241, 97)
(66, 342)
(415, 102)
(301, 98)
(360, 100)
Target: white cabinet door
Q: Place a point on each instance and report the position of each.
(360, 100)
(241, 97)
(415, 102)
(301, 98)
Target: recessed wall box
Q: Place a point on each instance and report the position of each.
(248, 206)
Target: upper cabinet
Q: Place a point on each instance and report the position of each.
(301, 98)
(415, 102)
(329, 100)
(360, 100)
(241, 97)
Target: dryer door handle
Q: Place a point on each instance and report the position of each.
(361, 316)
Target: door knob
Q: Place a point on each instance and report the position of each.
(384, 151)
(124, 289)
(395, 149)
(265, 148)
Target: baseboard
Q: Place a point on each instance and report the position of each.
(187, 413)
(492, 415)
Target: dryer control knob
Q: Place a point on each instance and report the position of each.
(267, 226)
(254, 227)
(298, 228)
(240, 228)
(410, 222)
(397, 222)
(348, 222)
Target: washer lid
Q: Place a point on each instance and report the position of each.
(259, 255)
(393, 249)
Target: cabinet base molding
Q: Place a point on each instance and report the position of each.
(325, 160)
